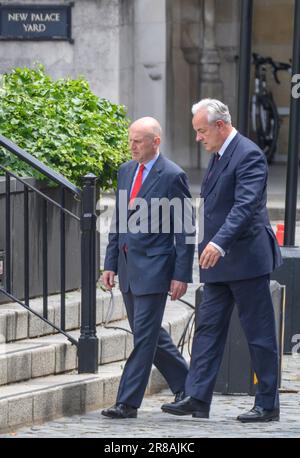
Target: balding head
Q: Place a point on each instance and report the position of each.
(148, 125)
(144, 139)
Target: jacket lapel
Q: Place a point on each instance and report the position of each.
(220, 166)
(152, 177)
(206, 175)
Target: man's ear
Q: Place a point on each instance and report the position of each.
(157, 141)
(220, 124)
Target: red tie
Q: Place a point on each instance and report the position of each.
(137, 185)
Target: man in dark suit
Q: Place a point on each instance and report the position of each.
(149, 263)
(237, 254)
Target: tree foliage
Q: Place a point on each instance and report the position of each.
(63, 124)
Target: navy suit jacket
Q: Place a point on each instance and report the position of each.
(235, 214)
(153, 259)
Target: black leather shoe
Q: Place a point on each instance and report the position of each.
(257, 414)
(179, 396)
(120, 411)
(188, 406)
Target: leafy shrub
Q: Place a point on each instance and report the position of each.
(63, 124)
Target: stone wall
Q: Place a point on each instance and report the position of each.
(149, 50)
(227, 39)
(185, 38)
(94, 53)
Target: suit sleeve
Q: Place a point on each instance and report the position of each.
(184, 229)
(251, 178)
(112, 250)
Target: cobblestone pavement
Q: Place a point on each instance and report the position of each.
(153, 423)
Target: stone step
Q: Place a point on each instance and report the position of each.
(54, 354)
(38, 400)
(16, 323)
(42, 397)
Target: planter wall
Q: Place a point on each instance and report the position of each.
(73, 267)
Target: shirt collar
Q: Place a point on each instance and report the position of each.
(150, 164)
(227, 141)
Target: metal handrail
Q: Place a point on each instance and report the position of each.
(38, 165)
(88, 342)
(66, 334)
(44, 196)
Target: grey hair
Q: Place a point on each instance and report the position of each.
(216, 110)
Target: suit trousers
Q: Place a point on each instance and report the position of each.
(256, 313)
(152, 345)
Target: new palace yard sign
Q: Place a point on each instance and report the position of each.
(35, 22)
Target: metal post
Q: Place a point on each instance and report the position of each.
(45, 256)
(8, 282)
(244, 66)
(88, 341)
(26, 246)
(63, 262)
(294, 133)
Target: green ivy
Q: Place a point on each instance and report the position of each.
(63, 124)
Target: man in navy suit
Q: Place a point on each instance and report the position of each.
(236, 256)
(149, 263)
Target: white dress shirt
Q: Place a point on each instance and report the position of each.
(147, 169)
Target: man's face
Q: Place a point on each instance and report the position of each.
(210, 135)
(143, 145)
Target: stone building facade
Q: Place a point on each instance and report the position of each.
(158, 57)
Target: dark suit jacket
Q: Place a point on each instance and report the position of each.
(153, 259)
(235, 214)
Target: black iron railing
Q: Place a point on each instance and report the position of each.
(87, 345)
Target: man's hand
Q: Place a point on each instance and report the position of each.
(177, 289)
(108, 279)
(209, 256)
